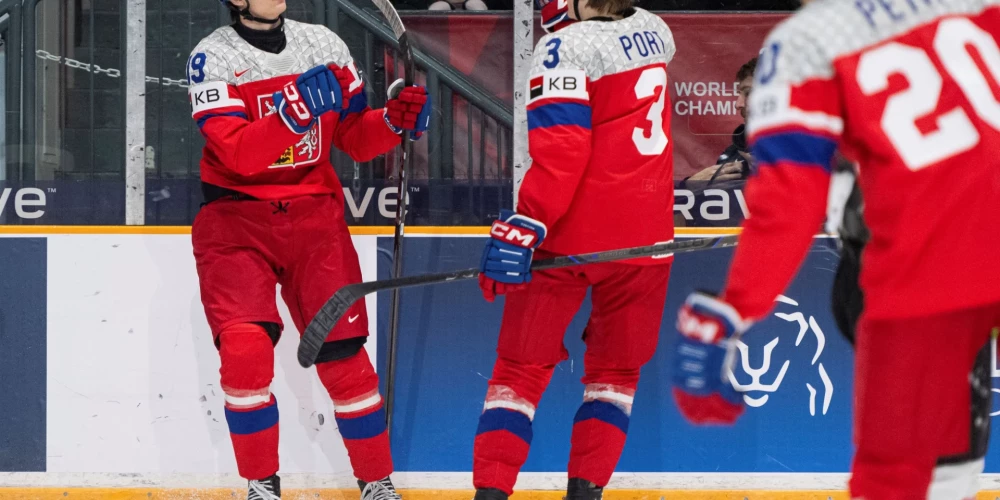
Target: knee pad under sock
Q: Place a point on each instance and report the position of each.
(353, 386)
(504, 435)
(251, 410)
(600, 427)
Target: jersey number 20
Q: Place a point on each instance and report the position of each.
(955, 132)
(650, 81)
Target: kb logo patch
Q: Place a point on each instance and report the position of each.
(560, 83)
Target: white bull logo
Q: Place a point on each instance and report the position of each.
(756, 374)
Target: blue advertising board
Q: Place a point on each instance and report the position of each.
(367, 202)
(23, 350)
(795, 366)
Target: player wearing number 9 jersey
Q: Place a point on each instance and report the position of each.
(601, 178)
(911, 90)
(272, 97)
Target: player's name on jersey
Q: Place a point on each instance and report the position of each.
(892, 11)
(641, 44)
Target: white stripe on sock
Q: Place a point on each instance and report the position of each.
(244, 401)
(364, 404)
(511, 405)
(609, 396)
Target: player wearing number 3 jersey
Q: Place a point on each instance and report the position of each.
(911, 90)
(601, 178)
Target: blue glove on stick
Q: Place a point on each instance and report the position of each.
(506, 262)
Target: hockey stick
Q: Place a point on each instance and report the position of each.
(341, 301)
(397, 245)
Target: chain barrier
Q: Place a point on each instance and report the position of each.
(111, 72)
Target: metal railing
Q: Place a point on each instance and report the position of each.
(468, 195)
(10, 32)
(65, 121)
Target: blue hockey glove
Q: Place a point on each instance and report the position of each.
(703, 358)
(320, 90)
(302, 102)
(506, 262)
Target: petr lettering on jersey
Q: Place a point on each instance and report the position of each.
(893, 11)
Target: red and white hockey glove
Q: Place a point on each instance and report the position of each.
(408, 108)
(350, 82)
(703, 360)
(555, 15)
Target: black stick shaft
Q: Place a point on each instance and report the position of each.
(341, 301)
(405, 166)
(567, 261)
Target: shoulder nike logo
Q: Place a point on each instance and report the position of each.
(352, 319)
(241, 73)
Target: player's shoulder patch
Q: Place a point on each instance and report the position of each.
(567, 83)
(211, 96)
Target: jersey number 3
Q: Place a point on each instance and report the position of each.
(652, 82)
(955, 132)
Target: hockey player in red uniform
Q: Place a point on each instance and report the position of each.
(909, 90)
(601, 178)
(272, 96)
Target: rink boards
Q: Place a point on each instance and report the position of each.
(111, 380)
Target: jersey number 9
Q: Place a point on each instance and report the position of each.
(955, 132)
(196, 68)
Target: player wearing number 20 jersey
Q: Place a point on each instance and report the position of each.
(601, 178)
(911, 90)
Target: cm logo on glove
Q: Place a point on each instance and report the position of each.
(511, 234)
(690, 325)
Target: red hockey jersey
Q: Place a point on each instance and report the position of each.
(909, 90)
(601, 176)
(248, 148)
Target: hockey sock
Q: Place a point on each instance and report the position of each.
(251, 410)
(600, 426)
(504, 434)
(353, 386)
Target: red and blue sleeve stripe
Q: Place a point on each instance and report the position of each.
(559, 113)
(207, 116)
(797, 148)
